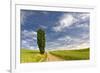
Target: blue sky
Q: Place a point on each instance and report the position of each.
(64, 30)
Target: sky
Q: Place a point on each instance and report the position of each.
(64, 30)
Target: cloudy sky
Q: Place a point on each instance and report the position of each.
(64, 30)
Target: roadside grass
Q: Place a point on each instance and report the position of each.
(82, 54)
(28, 56)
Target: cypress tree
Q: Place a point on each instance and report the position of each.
(41, 40)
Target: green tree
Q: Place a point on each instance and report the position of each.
(41, 40)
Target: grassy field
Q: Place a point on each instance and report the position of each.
(82, 54)
(27, 56)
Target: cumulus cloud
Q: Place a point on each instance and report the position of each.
(65, 21)
(28, 39)
(29, 34)
(69, 19)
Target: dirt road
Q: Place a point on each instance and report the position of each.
(51, 57)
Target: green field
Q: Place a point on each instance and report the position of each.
(82, 54)
(27, 56)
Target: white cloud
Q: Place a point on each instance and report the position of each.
(65, 38)
(42, 26)
(29, 34)
(28, 44)
(84, 25)
(84, 16)
(68, 42)
(28, 39)
(65, 21)
(24, 44)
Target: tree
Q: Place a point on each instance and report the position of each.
(41, 40)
